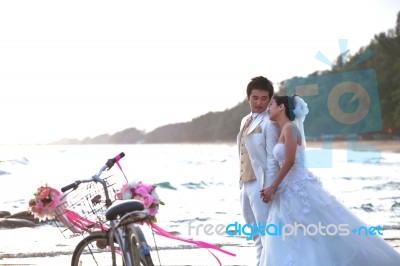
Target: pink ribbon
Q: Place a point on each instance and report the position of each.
(120, 168)
(159, 231)
(81, 223)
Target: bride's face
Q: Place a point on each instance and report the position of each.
(273, 110)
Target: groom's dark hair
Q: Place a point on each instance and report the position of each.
(260, 83)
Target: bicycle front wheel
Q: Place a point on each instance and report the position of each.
(94, 250)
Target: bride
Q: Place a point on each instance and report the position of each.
(306, 225)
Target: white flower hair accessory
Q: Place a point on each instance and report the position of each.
(300, 108)
(300, 111)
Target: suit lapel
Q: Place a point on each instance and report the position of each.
(243, 123)
(257, 120)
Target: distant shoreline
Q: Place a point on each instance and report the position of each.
(359, 145)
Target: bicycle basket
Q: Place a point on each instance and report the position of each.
(83, 210)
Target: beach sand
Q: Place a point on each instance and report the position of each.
(171, 257)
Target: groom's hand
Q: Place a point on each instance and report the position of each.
(267, 194)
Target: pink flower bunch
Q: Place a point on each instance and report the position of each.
(145, 193)
(44, 203)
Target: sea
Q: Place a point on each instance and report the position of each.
(198, 184)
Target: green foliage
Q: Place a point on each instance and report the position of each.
(385, 60)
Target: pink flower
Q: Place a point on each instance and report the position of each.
(146, 194)
(32, 203)
(133, 192)
(44, 192)
(142, 191)
(39, 206)
(147, 200)
(149, 188)
(153, 211)
(43, 205)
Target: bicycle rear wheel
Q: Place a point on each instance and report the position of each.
(94, 250)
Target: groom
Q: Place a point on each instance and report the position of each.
(256, 139)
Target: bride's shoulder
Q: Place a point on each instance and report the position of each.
(290, 128)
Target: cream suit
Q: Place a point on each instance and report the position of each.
(259, 140)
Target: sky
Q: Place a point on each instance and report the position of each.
(76, 69)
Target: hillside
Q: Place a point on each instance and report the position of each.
(211, 127)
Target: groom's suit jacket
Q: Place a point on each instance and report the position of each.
(260, 140)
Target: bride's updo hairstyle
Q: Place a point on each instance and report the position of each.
(287, 101)
(296, 110)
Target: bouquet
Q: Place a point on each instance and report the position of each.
(145, 193)
(44, 203)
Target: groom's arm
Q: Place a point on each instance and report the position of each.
(273, 133)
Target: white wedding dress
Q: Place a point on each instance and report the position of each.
(301, 199)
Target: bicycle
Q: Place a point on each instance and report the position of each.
(112, 225)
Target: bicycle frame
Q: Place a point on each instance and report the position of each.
(121, 229)
(127, 244)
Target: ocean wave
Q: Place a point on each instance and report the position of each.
(197, 219)
(391, 227)
(368, 207)
(395, 205)
(23, 161)
(366, 178)
(4, 172)
(166, 185)
(366, 160)
(192, 185)
(385, 186)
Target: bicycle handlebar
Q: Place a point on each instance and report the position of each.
(108, 165)
(110, 162)
(70, 186)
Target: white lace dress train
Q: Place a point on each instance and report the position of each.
(316, 229)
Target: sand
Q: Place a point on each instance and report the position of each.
(172, 257)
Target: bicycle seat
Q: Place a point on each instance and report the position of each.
(120, 208)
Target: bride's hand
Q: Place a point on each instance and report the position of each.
(267, 194)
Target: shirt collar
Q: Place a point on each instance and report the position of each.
(254, 115)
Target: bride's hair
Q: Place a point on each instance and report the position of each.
(287, 101)
(295, 109)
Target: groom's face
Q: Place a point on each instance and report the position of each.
(258, 100)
